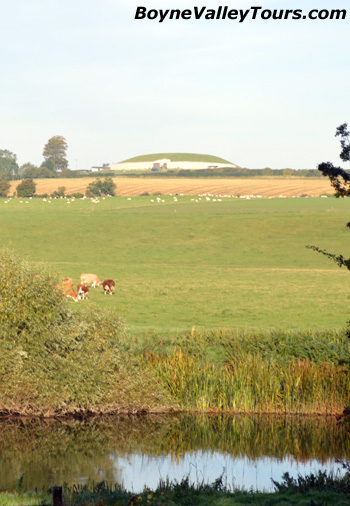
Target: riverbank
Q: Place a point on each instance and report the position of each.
(59, 362)
(274, 372)
(321, 489)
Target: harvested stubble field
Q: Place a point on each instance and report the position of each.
(266, 187)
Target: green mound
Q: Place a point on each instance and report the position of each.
(176, 157)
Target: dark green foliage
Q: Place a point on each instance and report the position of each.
(101, 187)
(76, 195)
(26, 188)
(4, 188)
(340, 180)
(322, 481)
(338, 259)
(225, 172)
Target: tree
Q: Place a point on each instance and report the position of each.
(340, 180)
(26, 188)
(27, 167)
(56, 151)
(100, 187)
(8, 165)
(38, 172)
(4, 188)
(48, 164)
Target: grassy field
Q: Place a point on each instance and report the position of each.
(209, 265)
(128, 186)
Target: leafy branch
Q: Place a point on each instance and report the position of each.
(338, 259)
(340, 180)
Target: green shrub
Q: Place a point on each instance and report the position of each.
(55, 360)
(4, 188)
(26, 188)
(60, 192)
(101, 187)
(76, 195)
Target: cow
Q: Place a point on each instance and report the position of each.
(72, 295)
(82, 291)
(90, 279)
(67, 282)
(66, 288)
(108, 286)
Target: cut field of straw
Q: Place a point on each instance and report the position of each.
(269, 187)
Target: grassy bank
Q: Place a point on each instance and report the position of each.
(56, 361)
(276, 372)
(312, 490)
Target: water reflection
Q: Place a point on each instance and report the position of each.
(138, 451)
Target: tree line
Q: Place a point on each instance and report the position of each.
(27, 188)
(54, 162)
(55, 165)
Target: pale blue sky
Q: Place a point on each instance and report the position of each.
(258, 93)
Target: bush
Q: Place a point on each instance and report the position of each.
(26, 188)
(77, 195)
(60, 192)
(54, 360)
(101, 187)
(4, 188)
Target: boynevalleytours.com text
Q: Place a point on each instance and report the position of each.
(239, 15)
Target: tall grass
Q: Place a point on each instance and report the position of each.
(256, 378)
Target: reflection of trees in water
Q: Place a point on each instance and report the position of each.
(50, 452)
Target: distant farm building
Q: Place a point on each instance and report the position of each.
(172, 161)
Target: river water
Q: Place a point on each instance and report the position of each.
(141, 451)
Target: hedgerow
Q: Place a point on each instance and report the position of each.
(56, 361)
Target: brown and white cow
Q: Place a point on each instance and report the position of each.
(72, 295)
(82, 291)
(108, 286)
(90, 279)
(67, 290)
(67, 282)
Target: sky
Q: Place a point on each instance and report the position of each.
(260, 93)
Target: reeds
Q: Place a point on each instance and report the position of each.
(255, 379)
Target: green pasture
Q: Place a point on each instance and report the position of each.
(177, 157)
(209, 265)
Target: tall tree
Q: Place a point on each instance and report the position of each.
(56, 151)
(340, 180)
(8, 165)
